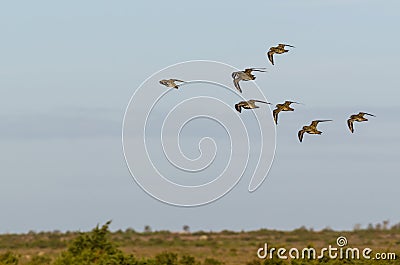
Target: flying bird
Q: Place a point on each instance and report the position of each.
(278, 50)
(171, 83)
(245, 75)
(357, 117)
(250, 104)
(310, 129)
(282, 107)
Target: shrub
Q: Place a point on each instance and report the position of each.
(187, 260)
(253, 262)
(211, 261)
(94, 248)
(40, 260)
(167, 258)
(8, 258)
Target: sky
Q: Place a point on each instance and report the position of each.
(68, 71)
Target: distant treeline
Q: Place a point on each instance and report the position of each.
(101, 246)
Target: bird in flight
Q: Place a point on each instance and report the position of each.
(282, 107)
(245, 75)
(171, 83)
(250, 104)
(278, 50)
(310, 129)
(357, 117)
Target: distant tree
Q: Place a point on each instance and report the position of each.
(357, 227)
(147, 229)
(378, 226)
(130, 231)
(396, 226)
(301, 228)
(31, 232)
(370, 226)
(385, 224)
(186, 228)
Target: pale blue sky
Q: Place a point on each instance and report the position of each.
(68, 70)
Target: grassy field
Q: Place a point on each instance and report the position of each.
(226, 246)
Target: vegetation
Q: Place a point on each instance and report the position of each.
(100, 246)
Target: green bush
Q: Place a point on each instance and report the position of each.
(40, 260)
(8, 258)
(167, 258)
(274, 262)
(187, 260)
(254, 262)
(94, 248)
(211, 261)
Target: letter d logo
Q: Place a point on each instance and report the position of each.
(265, 250)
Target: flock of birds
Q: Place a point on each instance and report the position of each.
(246, 75)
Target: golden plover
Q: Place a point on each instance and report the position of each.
(171, 83)
(282, 107)
(250, 104)
(278, 50)
(311, 129)
(357, 117)
(245, 75)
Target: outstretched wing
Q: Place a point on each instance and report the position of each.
(236, 83)
(256, 69)
(177, 80)
(275, 112)
(315, 123)
(256, 100)
(368, 114)
(236, 78)
(300, 135)
(238, 107)
(288, 102)
(283, 45)
(350, 125)
(271, 57)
